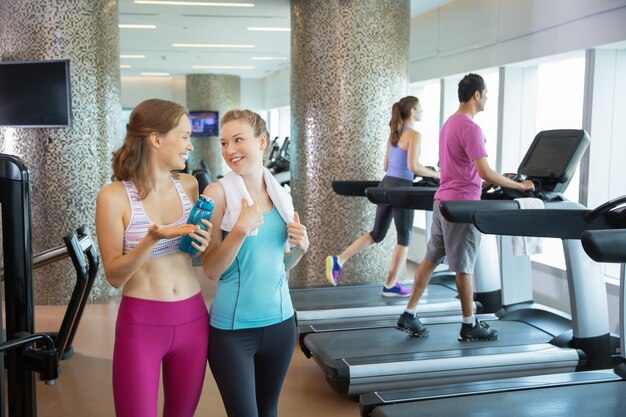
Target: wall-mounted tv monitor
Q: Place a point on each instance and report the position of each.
(35, 94)
(204, 123)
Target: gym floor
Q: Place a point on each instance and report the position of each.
(84, 386)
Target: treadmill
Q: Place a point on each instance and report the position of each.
(487, 291)
(599, 392)
(533, 339)
(326, 309)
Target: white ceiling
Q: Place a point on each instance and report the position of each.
(212, 25)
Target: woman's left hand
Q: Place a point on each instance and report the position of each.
(297, 233)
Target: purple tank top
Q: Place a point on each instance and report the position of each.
(397, 162)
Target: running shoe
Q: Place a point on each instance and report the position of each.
(479, 332)
(398, 290)
(411, 325)
(333, 270)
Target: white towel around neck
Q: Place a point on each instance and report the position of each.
(235, 190)
(527, 245)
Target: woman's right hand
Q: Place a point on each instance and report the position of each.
(250, 217)
(157, 232)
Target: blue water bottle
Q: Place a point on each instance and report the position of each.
(202, 210)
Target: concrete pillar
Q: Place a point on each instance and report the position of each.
(67, 166)
(349, 64)
(211, 92)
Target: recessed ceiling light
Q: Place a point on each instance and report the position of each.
(269, 29)
(133, 26)
(208, 45)
(132, 56)
(224, 67)
(193, 3)
(155, 74)
(269, 58)
(125, 66)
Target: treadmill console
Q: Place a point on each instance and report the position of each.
(553, 158)
(549, 163)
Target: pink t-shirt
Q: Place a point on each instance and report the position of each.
(461, 141)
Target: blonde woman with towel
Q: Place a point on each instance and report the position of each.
(257, 238)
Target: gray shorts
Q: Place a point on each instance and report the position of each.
(458, 241)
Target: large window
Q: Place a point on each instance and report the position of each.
(273, 122)
(560, 92)
(428, 93)
(488, 119)
(607, 160)
(278, 123)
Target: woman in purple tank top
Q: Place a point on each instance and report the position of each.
(141, 216)
(401, 165)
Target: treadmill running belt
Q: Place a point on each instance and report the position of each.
(601, 399)
(358, 296)
(373, 344)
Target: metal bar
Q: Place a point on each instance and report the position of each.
(44, 258)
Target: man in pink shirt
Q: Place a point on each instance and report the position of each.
(464, 165)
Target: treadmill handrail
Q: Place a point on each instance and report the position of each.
(376, 195)
(413, 197)
(605, 245)
(552, 223)
(353, 188)
(460, 211)
(602, 209)
(417, 198)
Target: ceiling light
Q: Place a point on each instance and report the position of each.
(193, 3)
(132, 56)
(132, 26)
(269, 58)
(125, 66)
(223, 67)
(155, 74)
(269, 29)
(208, 45)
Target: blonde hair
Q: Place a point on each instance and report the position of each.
(131, 160)
(255, 121)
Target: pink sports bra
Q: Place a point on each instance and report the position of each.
(140, 222)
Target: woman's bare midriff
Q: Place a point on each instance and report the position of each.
(166, 278)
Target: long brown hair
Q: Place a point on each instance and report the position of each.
(258, 125)
(400, 111)
(130, 161)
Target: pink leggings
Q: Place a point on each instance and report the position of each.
(148, 334)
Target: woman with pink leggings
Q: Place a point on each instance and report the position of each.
(141, 217)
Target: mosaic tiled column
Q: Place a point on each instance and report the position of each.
(349, 64)
(211, 92)
(67, 166)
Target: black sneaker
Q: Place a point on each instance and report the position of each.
(477, 333)
(412, 326)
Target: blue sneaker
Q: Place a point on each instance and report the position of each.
(333, 270)
(397, 290)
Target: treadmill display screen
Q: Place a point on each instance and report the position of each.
(553, 155)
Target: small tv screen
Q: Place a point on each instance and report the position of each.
(204, 123)
(35, 94)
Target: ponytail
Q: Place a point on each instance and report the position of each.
(400, 111)
(395, 125)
